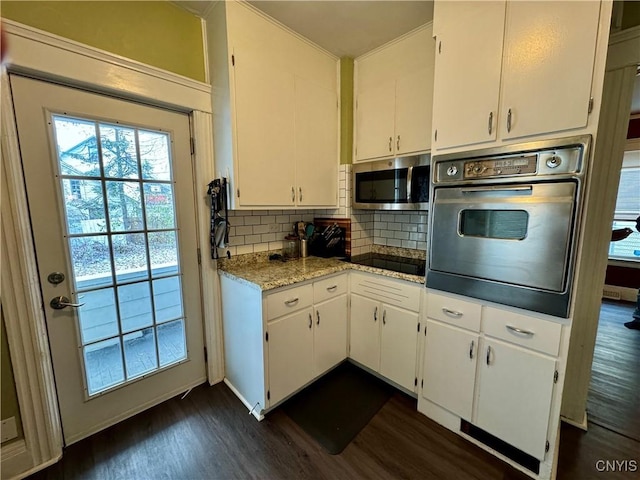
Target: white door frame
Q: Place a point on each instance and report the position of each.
(49, 57)
(623, 57)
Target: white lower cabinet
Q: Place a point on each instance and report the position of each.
(449, 369)
(514, 395)
(329, 334)
(290, 353)
(383, 334)
(502, 385)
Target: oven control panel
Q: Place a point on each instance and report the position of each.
(500, 167)
(541, 163)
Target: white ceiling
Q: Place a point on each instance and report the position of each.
(344, 28)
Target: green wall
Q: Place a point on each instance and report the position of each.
(156, 33)
(9, 399)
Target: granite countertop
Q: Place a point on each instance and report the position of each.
(256, 270)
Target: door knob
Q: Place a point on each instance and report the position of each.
(58, 303)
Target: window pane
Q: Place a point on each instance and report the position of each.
(171, 342)
(125, 207)
(77, 146)
(140, 352)
(158, 198)
(628, 201)
(135, 306)
(154, 155)
(84, 206)
(98, 317)
(103, 362)
(91, 261)
(130, 257)
(167, 298)
(629, 248)
(119, 156)
(163, 250)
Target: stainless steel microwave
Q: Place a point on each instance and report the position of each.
(396, 184)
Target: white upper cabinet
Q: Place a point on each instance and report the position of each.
(507, 70)
(467, 71)
(393, 97)
(276, 111)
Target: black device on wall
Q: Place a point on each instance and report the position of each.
(217, 192)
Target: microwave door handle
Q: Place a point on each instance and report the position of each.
(409, 182)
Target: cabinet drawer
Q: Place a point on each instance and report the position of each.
(386, 290)
(454, 311)
(290, 300)
(529, 332)
(329, 288)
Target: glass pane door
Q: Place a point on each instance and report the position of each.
(121, 229)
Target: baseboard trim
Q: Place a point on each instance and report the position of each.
(581, 425)
(626, 294)
(253, 409)
(15, 459)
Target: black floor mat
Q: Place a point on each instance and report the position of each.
(336, 407)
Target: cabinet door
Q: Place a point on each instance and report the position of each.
(514, 399)
(548, 66)
(365, 331)
(374, 135)
(290, 354)
(264, 116)
(449, 368)
(467, 72)
(398, 346)
(316, 144)
(330, 334)
(414, 99)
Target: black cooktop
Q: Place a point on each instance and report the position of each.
(412, 266)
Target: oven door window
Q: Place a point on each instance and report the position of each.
(382, 186)
(499, 224)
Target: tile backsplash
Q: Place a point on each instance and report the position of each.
(253, 231)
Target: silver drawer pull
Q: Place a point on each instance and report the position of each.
(520, 331)
(488, 355)
(292, 302)
(452, 312)
(473, 344)
(332, 288)
(375, 315)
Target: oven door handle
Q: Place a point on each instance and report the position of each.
(520, 190)
(409, 182)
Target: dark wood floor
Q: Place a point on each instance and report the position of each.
(210, 435)
(614, 394)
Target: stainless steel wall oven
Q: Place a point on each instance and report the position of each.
(504, 222)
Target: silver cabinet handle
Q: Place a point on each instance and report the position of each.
(384, 317)
(292, 301)
(509, 120)
(332, 288)
(375, 315)
(473, 344)
(452, 312)
(488, 355)
(310, 321)
(58, 303)
(390, 142)
(318, 317)
(521, 331)
(490, 122)
(435, 135)
(293, 194)
(398, 143)
(300, 193)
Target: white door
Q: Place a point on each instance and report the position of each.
(365, 331)
(375, 121)
(110, 192)
(398, 346)
(290, 354)
(330, 334)
(449, 371)
(514, 395)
